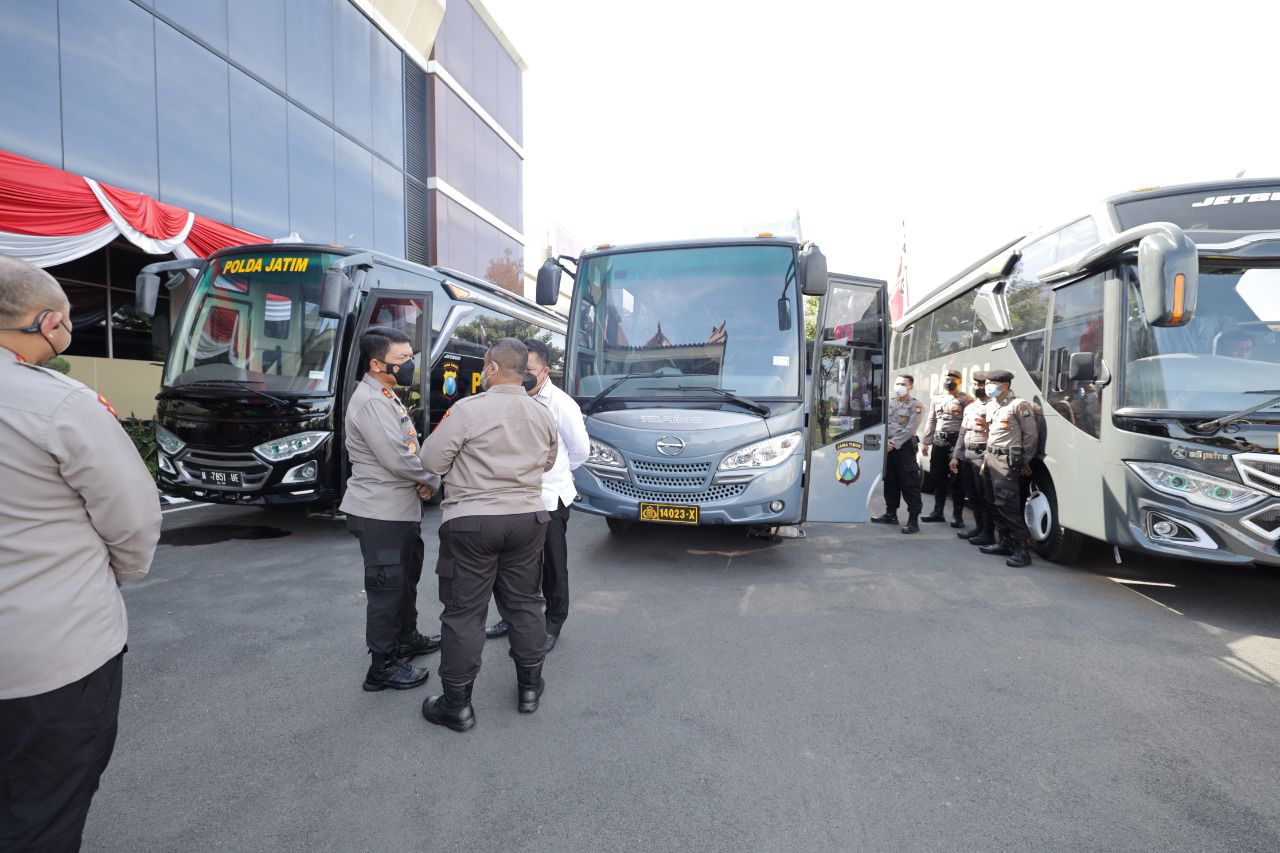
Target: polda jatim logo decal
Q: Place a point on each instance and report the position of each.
(450, 385)
(848, 453)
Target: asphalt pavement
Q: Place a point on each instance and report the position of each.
(853, 690)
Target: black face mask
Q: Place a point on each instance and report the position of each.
(950, 385)
(980, 392)
(403, 372)
(529, 382)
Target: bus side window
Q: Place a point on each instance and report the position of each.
(1077, 327)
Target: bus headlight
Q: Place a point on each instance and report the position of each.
(762, 454)
(1199, 489)
(605, 456)
(168, 442)
(280, 449)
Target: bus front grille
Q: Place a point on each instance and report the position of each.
(1266, 522)
(688, 469)
(1260, 470)
(714, 493)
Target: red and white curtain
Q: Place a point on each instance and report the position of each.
(50, 217)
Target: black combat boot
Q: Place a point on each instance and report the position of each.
(1001, 548)
(988, 534)
(416, 645)
(1020, 556)
(530, 685)
(974, 531)
(936, 515)
(390, 671)
(911, 526)
(887, 518)
(453, 709)
(497, 629)
(957, 517)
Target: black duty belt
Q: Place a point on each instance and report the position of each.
(977, 448)
(949, 436)
(998, 451)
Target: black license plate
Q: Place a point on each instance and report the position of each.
(669, 513)
(226, 479)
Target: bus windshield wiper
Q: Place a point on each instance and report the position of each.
(232, 383)
(749, 405)
(590, 406)
(1218, 423)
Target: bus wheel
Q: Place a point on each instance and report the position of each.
(1050, 539)
(619, 525)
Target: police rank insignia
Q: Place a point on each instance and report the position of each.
(104, 401)
(386, 392)
(847, 456)
(413, 446)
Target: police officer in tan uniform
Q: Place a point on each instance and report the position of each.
(492, 450)
(901, 472)
(383, 505)
(79, 513)
(941, 431)
(1012, 442)
(966, 459)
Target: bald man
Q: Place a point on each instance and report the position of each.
(79, 513)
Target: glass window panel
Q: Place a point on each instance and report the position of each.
(195, 130)
(508, 181)
(1075, 238)
(388, 98)
(440, 225)
(462, 239)
(109, 97)
(920, 340)
(204, 19)
(29, 68)
(355, 194)
(311, 195)
(309, 54)
(952, 329)
(88, 318)
(388, 209)
(486, 49)
(1077, 327)
(509, 95)
(459, 23)
(460, 141)
(352, 70)
(257, 39)
(486, 160)
(259, 147)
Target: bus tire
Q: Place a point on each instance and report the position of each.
(618, 526)
(1061, 545)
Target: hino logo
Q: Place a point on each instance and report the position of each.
(671, 419)
(1238, 198)
(669, 445)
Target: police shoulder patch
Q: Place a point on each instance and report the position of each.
(1024, 409)
(919, 407)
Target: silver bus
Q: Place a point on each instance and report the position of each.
(1148, 330)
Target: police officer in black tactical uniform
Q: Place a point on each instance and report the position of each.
(901, 472)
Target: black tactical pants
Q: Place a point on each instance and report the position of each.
(483, 556)
(902, 479)
(944, 482)
(555, 568)
(53, 749)
(1004, 499)
(393, 553)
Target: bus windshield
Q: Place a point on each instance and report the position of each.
(686, 319)
(1231, 347)
(255, 319)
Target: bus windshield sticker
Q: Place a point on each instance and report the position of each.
(278, 263)
(782, 361)
(847, 456)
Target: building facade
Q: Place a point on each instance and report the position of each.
(389, 124)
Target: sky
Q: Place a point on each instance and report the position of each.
(973, 123)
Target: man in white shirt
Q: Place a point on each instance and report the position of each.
(558, 492)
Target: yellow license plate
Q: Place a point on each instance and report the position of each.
(669, 513)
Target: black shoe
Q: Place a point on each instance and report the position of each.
(551, 640)
(936, 515)
(887, 518)
(416, 645)
(982, 539)
(389, 671)
(970, 534)
(497, 629)
(957, 522)
(1020, 558)
(453, 709)
(530, 685)
(911, 526)
(999, 548)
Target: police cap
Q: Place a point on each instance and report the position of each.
(999, 376)
(954, 373)
(978, 376)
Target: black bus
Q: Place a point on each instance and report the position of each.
(263, 358)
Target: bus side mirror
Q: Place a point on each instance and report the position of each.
(1168, 276)
(146, 291)
(1082, 367)
(548, 283)
(331, 287)
(992, 310)
(813, 271)
(784, 314)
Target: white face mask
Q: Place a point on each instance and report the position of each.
(900, 390)
(992, 390)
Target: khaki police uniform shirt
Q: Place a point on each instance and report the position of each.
(1013, 428)
(492, 450)
(78, 512)
(382, 446)
(905, 415)
(946, 412)
(973, 432)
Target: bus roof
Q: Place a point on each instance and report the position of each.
(607, 249)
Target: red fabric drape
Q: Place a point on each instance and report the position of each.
(153, 218)
(209, 235)
(43, 201)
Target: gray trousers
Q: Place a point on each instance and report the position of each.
(483, 556)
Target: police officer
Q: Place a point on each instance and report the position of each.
(79, 513)
(492, 449)
(1012, 442)
(901, 472)
(946, 411)
(966, 458)
(383, 506)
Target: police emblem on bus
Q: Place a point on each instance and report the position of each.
(649, 513)
(450, 385)
(847, 468)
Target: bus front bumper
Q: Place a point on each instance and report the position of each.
(1175, 528)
